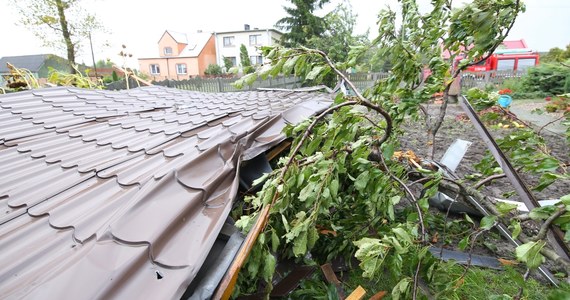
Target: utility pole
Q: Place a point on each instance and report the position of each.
(93, 55)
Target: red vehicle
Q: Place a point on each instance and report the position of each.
(507, 60)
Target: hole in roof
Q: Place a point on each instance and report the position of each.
(159, 276)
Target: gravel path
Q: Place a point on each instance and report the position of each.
(523, 109)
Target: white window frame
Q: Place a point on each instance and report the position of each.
(167, 50)
(256, 59)
(233, 59)
(229, 41)
(181, 69)
(256, 38)
(154, 69)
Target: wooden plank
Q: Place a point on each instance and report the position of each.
(330, 276)
(379, 295)
(357, 294)
(278, 149)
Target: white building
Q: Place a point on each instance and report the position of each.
(228, 44)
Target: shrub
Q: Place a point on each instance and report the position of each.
(514, 84)
(213, 69)
(248, 69)
(550, 78)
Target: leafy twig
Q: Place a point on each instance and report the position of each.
(545, 226)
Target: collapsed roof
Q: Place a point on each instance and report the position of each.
(109, 194)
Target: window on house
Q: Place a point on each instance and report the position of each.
(525, 63)
(167, 51)
(229, 41)
(255, 39)
(506, 64)
(181, 69)
(256, 59)
(154, 69)
(233, 60)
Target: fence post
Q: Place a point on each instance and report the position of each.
(219, 85)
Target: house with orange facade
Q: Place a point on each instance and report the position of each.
(180, 56)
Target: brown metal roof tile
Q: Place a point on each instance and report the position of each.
(112, 187)
(88, 207)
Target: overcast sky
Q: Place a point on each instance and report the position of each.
(140, 23)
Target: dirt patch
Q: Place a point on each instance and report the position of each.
(415, 138)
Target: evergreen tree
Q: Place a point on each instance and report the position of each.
(245, 61)
(301, 24)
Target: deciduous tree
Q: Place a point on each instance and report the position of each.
(58, 23)
(339, 35)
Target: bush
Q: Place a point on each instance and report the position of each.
(550, 78)
(248, 69)
(213, 69)
(530, 95)
(514, 84)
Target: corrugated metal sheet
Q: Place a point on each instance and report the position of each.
(109, 194)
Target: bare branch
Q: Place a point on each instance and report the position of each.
(553, 121)
(488, 179)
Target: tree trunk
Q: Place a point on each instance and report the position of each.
(66, 35)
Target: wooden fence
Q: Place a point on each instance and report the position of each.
(363, 81)
(219, 85)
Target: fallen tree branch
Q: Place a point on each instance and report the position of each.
(488, 179)
(226, 286)
(492, 210)
(544, 227)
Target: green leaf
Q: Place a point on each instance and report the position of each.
(238, 84)
(463, 243)
(269, 267)
(402, 235)
(300, 179)
(312, 237)
(285, 223)
(529, 253)
(289, 64)
(388, 151)
(542, 213)
(565, 200)
(488, 222)
(371, 253)
(249, 79)
(314, 73)
(516, 228)
(300, 244)
(505, 208)
(361, 181)
(401, 289)
(334, 185)
(261, 179)
(468, 219)
(423, 203)
(308, 192)
(274, 241)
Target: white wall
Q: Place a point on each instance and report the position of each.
(265, 38)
